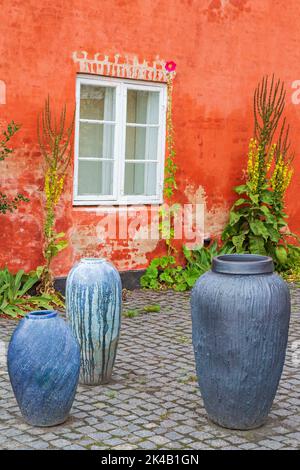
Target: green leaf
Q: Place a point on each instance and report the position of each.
(164, 261)
(256, 245)
(165, 277)
(241, 189)
(39, 271)
(238, 241)
(181, 287)
(259, 229)
(147, 282)
(151, 271)
(226, 249)
(28, 285)
(240, 201)
(187, 253)
(61, 245)
(274, 234)
(265, 210)
(267, 197)
(234, 217)
(281, 254)
(254, 198)
(155, 262)
(59, 235)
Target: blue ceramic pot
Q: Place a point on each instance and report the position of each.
(93, 301)
(43, 364)
(240, 318)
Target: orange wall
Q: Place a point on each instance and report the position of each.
(221, 47)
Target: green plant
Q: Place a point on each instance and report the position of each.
(167, 212)
(131, 313)
(290, 270)
(165, 415)
(136, 312)
(257, 221)
(170, 167)
(183, 340)
(187, 379)
(54, 140)
(151, 308)
(15, 298)
(9, 204)
(164, 273)
(158, 267)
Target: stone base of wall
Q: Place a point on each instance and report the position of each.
(130, 280)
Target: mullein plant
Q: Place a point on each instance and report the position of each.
(258, 222)
(54, 140)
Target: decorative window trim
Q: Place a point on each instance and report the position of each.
(123, 67)
(119, 198)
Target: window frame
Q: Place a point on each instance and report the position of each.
(122, 85)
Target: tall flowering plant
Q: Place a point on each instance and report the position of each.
(258, 222)
(170, 168)
(54, 141)
(161, 271)
(170, 185)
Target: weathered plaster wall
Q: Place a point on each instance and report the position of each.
(221, 47)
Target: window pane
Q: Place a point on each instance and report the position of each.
(140, 178)
(95, 178)
(142, 106)
(97, 102)
(141, 143)
(96, 140)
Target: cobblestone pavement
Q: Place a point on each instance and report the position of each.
(153, 401)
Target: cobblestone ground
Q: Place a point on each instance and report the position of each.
(153, 401)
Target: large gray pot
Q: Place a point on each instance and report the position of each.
(240, 317)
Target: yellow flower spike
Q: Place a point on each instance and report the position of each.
(253, 164)
(270, 157)
(250, 158)
(274, 176)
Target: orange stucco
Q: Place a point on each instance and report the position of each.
(222, 49)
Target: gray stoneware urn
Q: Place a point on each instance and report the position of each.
(240, 318)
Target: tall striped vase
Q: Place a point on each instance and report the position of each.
(93, 303)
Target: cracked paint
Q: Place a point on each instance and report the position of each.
(127, 254)
(215, 217)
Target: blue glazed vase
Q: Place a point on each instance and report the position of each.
(93, 302)
(240, 321)
(43, 364)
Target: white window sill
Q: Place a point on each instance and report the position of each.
(131, 202)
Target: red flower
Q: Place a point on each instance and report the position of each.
(170, 66)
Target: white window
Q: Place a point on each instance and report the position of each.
(119, 141)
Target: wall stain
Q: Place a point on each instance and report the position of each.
(220, 10)
(215, 218)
